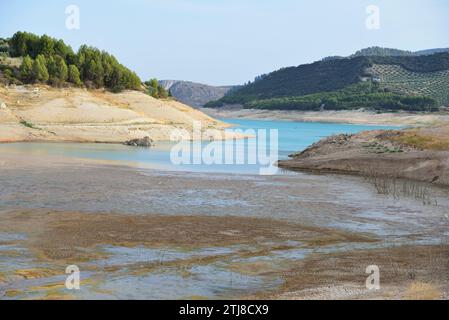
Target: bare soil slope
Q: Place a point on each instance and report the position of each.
(41, 113)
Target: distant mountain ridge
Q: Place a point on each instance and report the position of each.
(195, 94)
(384, 52)
(379, 51)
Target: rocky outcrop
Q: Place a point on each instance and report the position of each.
(194, 94)
(144, 142)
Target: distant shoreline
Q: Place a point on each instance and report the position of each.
(349, 117)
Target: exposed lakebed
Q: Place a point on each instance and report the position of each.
(229, 232)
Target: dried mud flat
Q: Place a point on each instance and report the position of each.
(59, 239)
(251, 247)
(162, 235)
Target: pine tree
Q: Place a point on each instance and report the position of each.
(26, 69)
(18, 44)
(153, 88)
(46, 46)
(61, 49)
(74, 75)
(163, 94)
(62, 70)
(52, 69)
(40, 72)
(98, 72)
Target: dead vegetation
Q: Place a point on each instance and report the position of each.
(421, 138)
(398, 188)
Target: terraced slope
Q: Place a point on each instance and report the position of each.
(431, 84)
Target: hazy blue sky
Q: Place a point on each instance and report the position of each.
(230, 41)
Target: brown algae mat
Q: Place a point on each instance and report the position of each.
(65, 235)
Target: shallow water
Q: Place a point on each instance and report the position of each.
(296, 136)
(293, 137)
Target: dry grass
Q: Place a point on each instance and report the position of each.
(422, 291)
(36, 273)
(416, 138)
(12, 62)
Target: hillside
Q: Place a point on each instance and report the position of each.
(48, 92)
(194, 94)
(43, 113)
(384, 82)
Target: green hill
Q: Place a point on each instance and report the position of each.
(382, 82)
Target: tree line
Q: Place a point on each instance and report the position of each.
(363, 95)
(48, 60)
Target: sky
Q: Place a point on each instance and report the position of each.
(224, 42)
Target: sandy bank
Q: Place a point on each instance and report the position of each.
(415, 154)
(351, 117)
(41, 113)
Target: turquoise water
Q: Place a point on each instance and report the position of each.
(297, 136)
(292, 137)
